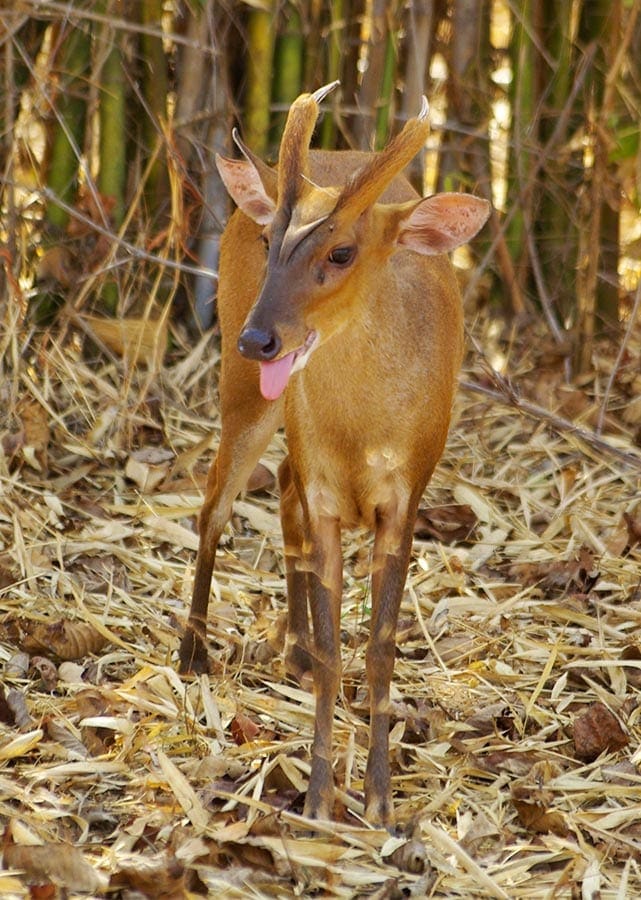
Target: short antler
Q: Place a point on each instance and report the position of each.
(294, 148)
(367, 184)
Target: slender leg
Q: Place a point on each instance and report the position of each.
(392, 547)
(247, 430)
(325, 580)
(298, 660)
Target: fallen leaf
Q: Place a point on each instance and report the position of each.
(597, 730)
(243, 729)
(576, 575)
(261, 479)
(60, 732)
(64, 638)
(532, 801)
(448, 524)
(17, 703)
(61, 864)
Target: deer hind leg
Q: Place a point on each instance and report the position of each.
(325, 582)
(298, 660)
(392, 548)
(248, 423)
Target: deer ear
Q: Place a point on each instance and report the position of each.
(246, 189)
(442, 222)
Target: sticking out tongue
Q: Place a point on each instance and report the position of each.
(275, 375)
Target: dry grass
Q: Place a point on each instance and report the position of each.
(515, 740)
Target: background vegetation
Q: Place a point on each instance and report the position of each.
(113, 111)
(516, 727)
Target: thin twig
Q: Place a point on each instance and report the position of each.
(135, 252)
(49, 9)
(506, 395)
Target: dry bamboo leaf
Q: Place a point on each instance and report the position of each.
(259, 519)
(184, 793)
(21, 745)
(136, 340)
(17, 665)
(476, 646)
(172, 532)
(148, 468)
(59, 731)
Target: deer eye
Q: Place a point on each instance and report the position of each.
(342, 256)
(265, 242)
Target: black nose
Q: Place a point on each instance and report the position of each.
(258, 343)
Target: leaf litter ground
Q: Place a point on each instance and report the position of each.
(515, 734)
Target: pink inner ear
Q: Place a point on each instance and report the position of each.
(246, 189)
(443, 222)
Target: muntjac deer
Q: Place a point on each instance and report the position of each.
(340, 316)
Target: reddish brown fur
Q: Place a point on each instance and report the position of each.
(366, 419)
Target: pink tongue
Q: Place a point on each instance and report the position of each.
(275, 375)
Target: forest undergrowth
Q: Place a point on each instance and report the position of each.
(515, 739)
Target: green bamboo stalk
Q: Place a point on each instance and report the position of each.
(112, 152)
(556, 194)
(68, 135)
(288, 66)
(384, 112)
(260, 51)
(354, 15)
(335, 53)
(112, 114)
(520, 163)
(601, 21)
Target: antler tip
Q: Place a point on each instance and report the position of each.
(319, 95)
(425, 109)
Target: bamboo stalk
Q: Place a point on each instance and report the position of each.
(369, 95)
(335, 53)
(69, 129)
(520, 164)
(288, 67)
(155, 88)
(384, 113)
(260, 50)
(112, 165)
(419, 29)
